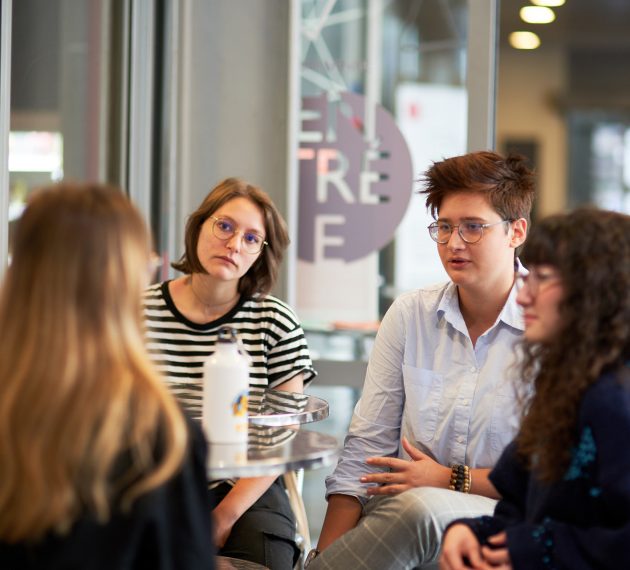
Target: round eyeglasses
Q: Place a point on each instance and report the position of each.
(224, 229)
(470, 232)
(537, 280)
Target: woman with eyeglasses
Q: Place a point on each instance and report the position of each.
(565, 479)
(234, 243)
(437, 406)
(98, 467)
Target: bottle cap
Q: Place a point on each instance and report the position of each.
(227, 335)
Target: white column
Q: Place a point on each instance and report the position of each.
(141, 105)
(481, 73)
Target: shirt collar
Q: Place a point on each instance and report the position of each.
(511, 313)
(448, 308)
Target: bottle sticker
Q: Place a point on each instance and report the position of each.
(239, 405)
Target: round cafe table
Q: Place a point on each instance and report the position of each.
(280, 408)
(272, 451)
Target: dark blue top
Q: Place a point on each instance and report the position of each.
(581, 521)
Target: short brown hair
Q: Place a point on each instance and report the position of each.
(507, 182)
(262, 275)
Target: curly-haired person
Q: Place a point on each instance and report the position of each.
(565, 479)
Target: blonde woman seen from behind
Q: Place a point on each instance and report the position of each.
(99, 467)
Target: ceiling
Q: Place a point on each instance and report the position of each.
(579, 24)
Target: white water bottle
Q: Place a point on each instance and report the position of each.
(225, 391)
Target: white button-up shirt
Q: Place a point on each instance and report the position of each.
(426, 381)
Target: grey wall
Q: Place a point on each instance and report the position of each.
(35, 55)
(234, 98)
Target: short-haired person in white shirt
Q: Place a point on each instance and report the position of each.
(438, 403)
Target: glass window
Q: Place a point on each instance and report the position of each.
(565, 102)
(62, 123)
(383, 87)
(424, 86)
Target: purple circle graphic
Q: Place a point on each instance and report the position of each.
(353, 192)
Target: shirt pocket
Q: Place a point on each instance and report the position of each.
(505, 421)
(423, 391)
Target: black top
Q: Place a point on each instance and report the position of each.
(581, 521)
(169, 528)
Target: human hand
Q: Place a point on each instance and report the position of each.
(222, 527)
(497, 556)
(460, 549)
(420, 471)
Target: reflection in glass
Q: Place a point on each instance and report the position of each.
(62, 71)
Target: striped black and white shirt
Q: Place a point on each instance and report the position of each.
(267, 327)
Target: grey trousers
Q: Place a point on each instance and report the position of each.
(402, 531)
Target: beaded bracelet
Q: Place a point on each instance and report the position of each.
(461, 479)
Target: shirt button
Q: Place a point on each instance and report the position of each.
(465, 402)
(473, 369)
(460, 439)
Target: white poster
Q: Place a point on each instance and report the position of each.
(433, 120)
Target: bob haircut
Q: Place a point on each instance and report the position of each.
(507, 182)
(262, 275)
(78, 391)
(590, 249)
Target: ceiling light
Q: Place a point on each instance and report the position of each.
(524, 40)
(550, 3)
(537, 14)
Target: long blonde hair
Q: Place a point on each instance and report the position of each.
(78, 394)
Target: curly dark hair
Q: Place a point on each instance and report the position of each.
(262, 275)
(590, 249)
